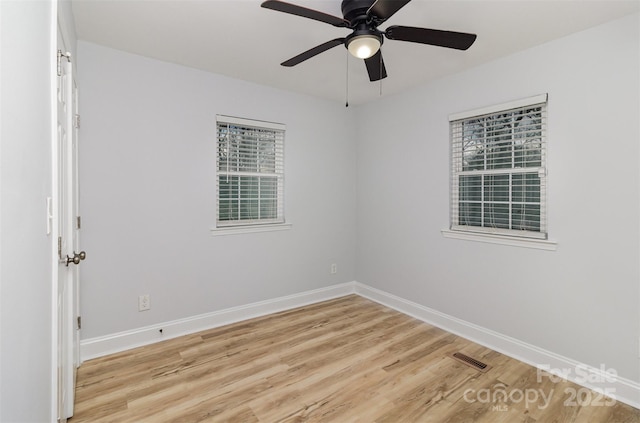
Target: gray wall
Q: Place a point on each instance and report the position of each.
(581, 301)
(147, 153)
(25, 178)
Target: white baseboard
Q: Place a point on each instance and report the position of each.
(121, 341)
(623, 390)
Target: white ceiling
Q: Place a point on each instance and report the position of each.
(240, 39)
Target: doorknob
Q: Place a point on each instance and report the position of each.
(76, 257)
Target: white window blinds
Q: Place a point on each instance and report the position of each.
(498, 169)
(250, 172)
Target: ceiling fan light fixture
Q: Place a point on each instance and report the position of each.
(364, 46)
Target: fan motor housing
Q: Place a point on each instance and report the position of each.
(355, 10)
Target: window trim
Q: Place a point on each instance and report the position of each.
(523, 102)
(495, 235)
(234, 230)
(250, 226)
(539, 244)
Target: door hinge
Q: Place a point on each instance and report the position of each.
(79, 322)
(60, 247)
(67, 56)
(78, 222)
(76, 121)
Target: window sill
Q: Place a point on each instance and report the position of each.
(539, 244)
(234, 230)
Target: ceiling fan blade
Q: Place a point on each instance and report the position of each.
(436, 37)
(384, 9)
(313, 52)
(293, 9)
(375, 67)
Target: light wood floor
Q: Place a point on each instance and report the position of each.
(343, 360)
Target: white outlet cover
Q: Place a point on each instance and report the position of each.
(144, 303)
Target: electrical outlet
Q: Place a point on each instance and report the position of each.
(144, 303)
(334, 268)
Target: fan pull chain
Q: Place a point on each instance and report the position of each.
(380, 74)
(347, 82)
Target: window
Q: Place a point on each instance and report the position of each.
(250, 172)
(498, 170)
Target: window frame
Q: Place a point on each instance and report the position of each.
(482, 232)
(276, 220)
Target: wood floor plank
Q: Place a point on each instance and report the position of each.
(343, 360)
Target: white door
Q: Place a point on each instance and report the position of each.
(75, 227)
(65, 200)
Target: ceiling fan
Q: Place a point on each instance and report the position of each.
(363, 17)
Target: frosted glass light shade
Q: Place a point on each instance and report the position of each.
(364, 46)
